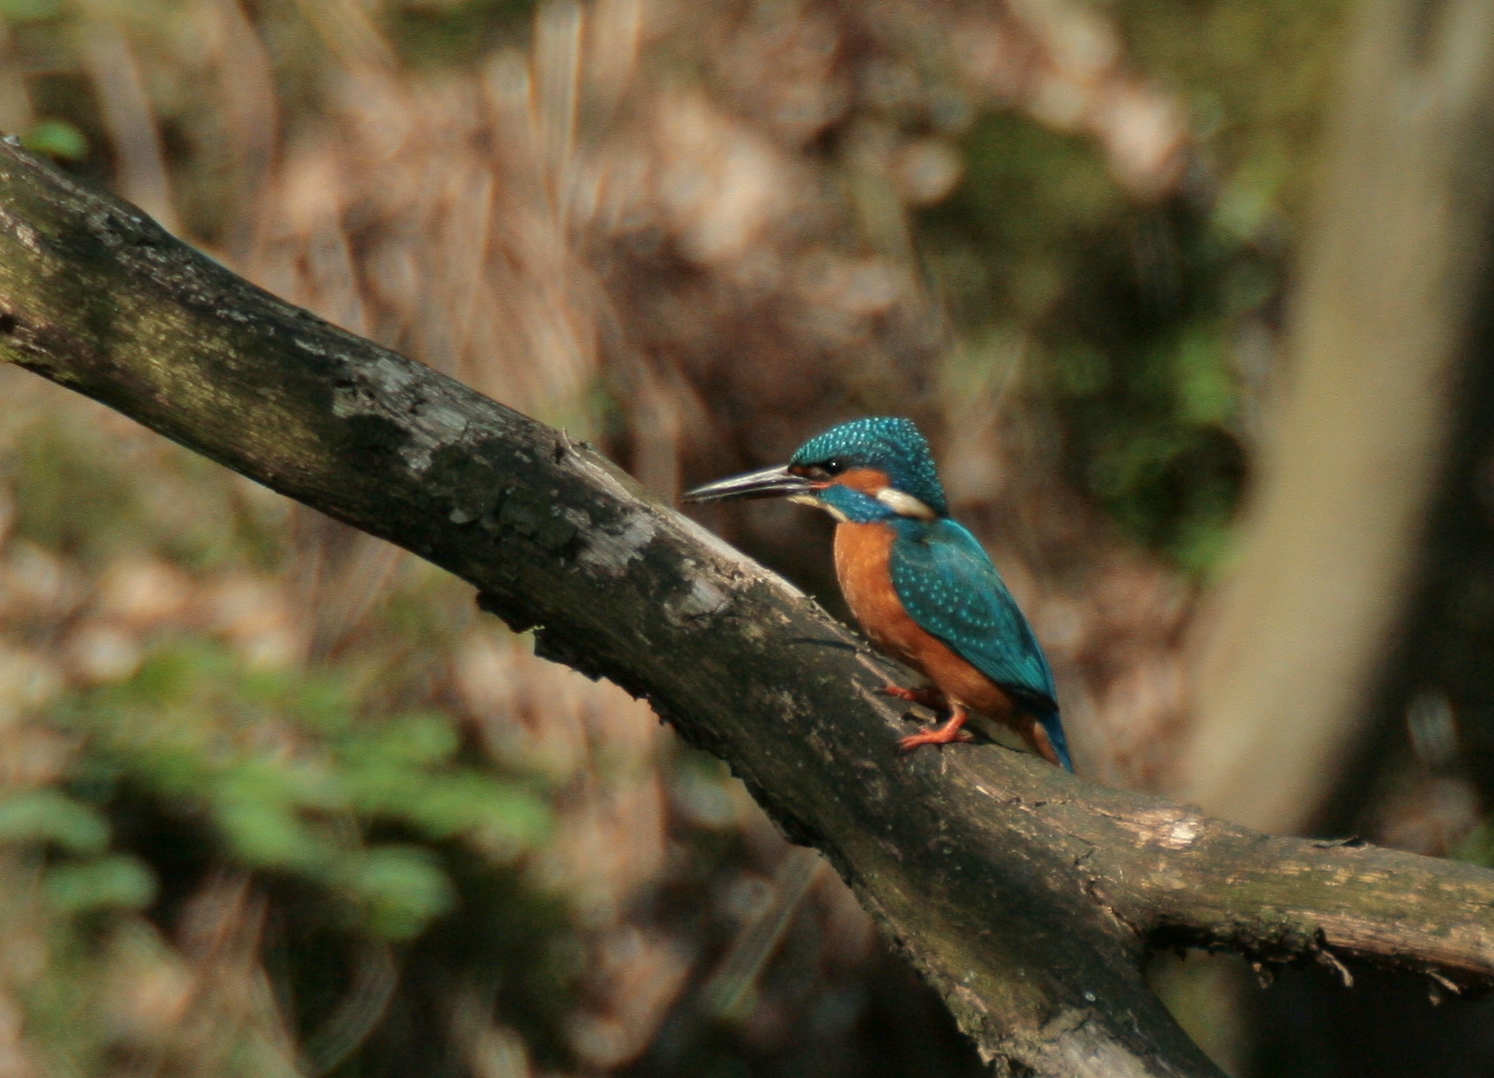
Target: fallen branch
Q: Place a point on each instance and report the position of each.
(1028, 898)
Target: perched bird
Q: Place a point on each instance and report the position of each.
(919, 583)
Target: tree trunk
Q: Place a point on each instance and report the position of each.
(1293, 660)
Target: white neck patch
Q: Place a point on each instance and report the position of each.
(904, 504)
(810, 499)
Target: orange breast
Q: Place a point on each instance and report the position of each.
(861, 556)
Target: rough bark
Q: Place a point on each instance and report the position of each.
(1028, 897)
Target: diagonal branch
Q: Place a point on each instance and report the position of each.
(1029, 898)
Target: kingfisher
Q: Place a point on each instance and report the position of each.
(921, 586)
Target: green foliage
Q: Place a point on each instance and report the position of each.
(365, 817)
(119, 881)
(365, 824)
(1129, 308)
(1132, 310)
(65, 492)
(56, 138)
(1254, 74)
(68, 842)
(47, 817)
(1478, 846)
(22, 11)
(292, 778)
(430, 35)
(81, 494)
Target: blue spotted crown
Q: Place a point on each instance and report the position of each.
(888, 443)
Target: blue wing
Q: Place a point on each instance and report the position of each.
(948, 585)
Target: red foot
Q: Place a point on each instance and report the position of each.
(929, 696)
(943, 735)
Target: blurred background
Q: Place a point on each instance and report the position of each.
(276, 799)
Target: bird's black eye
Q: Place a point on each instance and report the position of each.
(826, 469)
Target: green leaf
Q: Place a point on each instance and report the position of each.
(403, 888)
(474, 802)
(1206, 387)
(47, 816)
(51, 136)
(270, 836)
(115, 882)
(29, 10)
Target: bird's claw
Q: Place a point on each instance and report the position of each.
(953, 730)
(928, 696)
(933, 737)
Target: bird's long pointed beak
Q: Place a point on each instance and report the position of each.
(775, 482)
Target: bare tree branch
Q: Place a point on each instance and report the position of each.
(1027, 897)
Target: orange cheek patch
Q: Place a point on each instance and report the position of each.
(867, 480)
